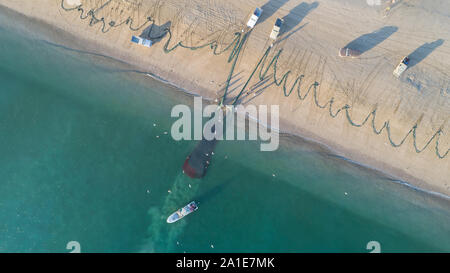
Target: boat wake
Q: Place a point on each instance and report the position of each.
(163, 237)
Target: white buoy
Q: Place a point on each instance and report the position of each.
(212, 246)
(190, 186)
(345, 193)
(154, 124)
(169, 191)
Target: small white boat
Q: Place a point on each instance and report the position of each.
(177, 215)
(254, 18)
(401, 67)
(276, 29)
(141, 41)
(348, 52)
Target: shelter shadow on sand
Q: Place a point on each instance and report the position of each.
(270, 8)
(290, 34)
(296, 16)
(368, 41)
(423, 51)
(155, 32)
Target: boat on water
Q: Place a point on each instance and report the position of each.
(177, 215)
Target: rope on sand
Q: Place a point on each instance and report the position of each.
(237, 45)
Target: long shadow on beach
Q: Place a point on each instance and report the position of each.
(270, 8)
(423, 51)
(256, 90)
(296, 16)
(235, 83)
(368, 41)
(155, 32)
(290, 34)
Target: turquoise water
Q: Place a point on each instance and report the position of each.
(84, 157)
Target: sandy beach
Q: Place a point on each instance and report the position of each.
(349, 101)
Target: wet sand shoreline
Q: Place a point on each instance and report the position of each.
(286, 125)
